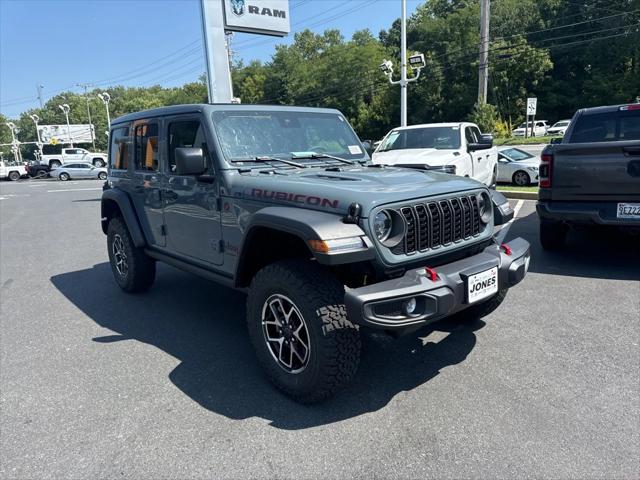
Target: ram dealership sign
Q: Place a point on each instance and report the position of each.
(268, 17)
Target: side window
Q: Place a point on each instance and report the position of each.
(71, 151)
(185, 134)
(146, 147)
(476, 133)
(468, 133)
(120, 149)
(630, 127)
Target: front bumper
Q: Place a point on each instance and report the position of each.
(583, 213)
(379, 305)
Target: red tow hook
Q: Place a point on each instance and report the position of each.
(506, 248)
(432, 274)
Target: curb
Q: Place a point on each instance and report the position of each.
(519, 195)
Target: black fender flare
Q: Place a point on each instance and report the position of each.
(128, 214)
(311, 225)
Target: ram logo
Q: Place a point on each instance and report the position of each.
(237, 6)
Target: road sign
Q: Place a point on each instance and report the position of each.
(532, 104)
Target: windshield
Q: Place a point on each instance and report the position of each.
(245, 135)
(440, 138)
(515, 154)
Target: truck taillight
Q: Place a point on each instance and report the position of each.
(546, 166)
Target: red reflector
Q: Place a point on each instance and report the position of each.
(506, 248)
(432, 274)
(635, 106)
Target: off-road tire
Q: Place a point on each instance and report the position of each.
(334, 341)
(64, 176)
(98, 162)
(552, 235)
(141, 269)
(524, 175)
(483, 309)
(14, 176)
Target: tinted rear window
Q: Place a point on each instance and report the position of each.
(607, 127)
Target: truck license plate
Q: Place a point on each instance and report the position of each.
(482, 285)
(629, 210)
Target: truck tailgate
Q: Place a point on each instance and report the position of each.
(596, 171)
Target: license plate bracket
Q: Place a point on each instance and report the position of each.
(481, 285)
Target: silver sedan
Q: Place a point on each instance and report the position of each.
(517, 166)
(78, 170)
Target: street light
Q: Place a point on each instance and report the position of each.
(416, 61)
(36, 119)
(105, 97)
(15, 144)
(65, 108)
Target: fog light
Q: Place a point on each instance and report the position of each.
(409, 306)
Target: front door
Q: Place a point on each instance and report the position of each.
(191, 212)
(148, 181)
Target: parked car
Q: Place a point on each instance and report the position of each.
(12, 170)
(559, 128)
(36, 170)
(69, 155)
(282, 202)
(78, 171)
(517, 166)
(535, 129)
(457, 148)
(592, 177)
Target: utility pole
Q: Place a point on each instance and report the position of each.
(39, 89)
(86, 97)
(483, 67)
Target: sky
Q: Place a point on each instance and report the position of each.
(62, 43)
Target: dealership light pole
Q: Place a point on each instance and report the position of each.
(105, 97)
(65, 108)
(86, 97)
(416, 61)
(36, 119)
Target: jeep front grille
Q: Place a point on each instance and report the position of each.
(434, 224)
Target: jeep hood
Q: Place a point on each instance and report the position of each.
(416, 156)
(321, 189)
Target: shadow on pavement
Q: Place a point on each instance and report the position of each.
(203, 325)
(589, 252)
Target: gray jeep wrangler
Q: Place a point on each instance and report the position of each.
(284, 203)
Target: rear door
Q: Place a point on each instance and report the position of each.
(148, 180)
(601, 160)
(192, 203)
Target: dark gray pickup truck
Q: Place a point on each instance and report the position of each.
(593, 176)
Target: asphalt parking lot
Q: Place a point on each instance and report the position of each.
(95, 383)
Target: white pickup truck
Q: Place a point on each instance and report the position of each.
(12, 170)
(75, 155)
(457, 148)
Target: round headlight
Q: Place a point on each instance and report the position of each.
(382, 225)
(485, 207)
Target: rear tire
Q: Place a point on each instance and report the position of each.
(521, 178)
(315, 298)
(98, 162)
(552, 235)
(132, 269)
(54, 164)
(14, 176)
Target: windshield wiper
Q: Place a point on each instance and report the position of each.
(317, 156)
(267, 159)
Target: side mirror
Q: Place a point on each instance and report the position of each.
(368, 146)
(189, 161)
